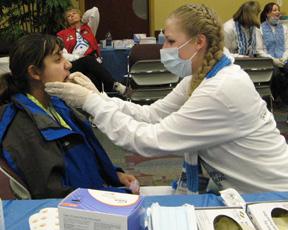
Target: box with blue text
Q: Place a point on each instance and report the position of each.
(95, 209)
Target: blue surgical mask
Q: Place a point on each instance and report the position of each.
(171, 60)
(274, 21)
(171, 218)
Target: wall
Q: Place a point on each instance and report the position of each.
(225, 8)
(160, 9)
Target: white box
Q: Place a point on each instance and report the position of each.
(119, 44)
(261, 213)
(137, 37)
(206, 217)
(148, 40)
(100, 210)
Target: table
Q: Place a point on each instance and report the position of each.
(17, 212)
(115, 61)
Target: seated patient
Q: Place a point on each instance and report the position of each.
(51, 146)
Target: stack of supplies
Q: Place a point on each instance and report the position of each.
(165, 218)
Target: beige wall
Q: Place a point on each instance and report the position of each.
(225, 8)
(160, 9)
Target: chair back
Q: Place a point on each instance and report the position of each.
(148, 79)
(260, 70)
(152, 72)
(12, 187)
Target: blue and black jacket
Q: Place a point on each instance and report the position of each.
(51, 159)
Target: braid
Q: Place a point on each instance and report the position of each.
(199, 19)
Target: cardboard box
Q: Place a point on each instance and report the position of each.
(95, 209)
(261, 213)
(148, 40)
(208, 217)
(137, 37)
(119, 44)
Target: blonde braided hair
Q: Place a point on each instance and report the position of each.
(195, 19)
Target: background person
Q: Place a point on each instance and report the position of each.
(215, 117)
(49, 145)
(81, 48)
(272, 41)
(240, 36)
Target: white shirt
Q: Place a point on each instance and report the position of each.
(261, 50)
(225, 121)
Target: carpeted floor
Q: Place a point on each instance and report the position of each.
(163, 170)
(149, 171)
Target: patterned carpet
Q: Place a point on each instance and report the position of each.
(149, 171)
(163, 170)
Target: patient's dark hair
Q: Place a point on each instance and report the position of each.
(28, 50)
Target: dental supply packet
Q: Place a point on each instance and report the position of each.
(208, 218)
(264, 214)
(96, 209)
(46, 218)
(232, 198)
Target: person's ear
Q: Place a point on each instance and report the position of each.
(201, 41)
(34, 72)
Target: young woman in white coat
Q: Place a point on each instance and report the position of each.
(272, 42)
(240, 31)
(214, 117)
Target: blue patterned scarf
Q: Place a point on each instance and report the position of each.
(275, 43)
(246, 45)
(188, 182)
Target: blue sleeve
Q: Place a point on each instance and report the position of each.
(118, 169)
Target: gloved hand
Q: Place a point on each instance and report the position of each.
(278, 63)
(81, 79)
(73, 94)
(283, 60)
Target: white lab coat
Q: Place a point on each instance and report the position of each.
(225, 122)
(231, 37)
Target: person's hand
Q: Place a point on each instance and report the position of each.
(126, 179)
(278, 63)
(81, 79)
(283, 60)
(73, 94)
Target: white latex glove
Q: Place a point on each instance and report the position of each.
(283, 60)
(73, 94)
(81, 79)
(278, 63)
